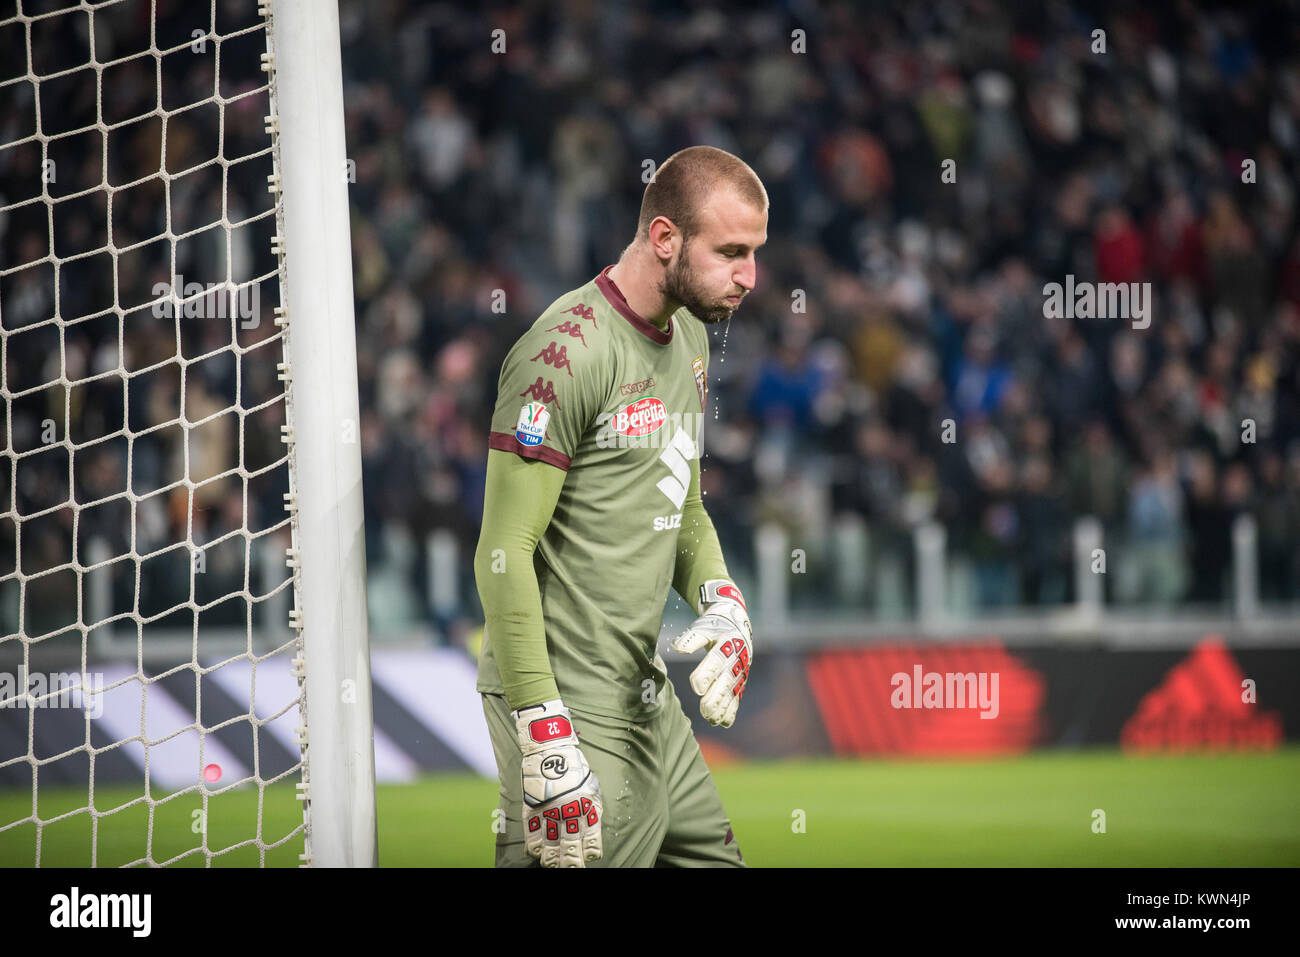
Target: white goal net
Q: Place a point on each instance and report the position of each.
(152, 706)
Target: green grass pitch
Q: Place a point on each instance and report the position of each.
(1190, 810)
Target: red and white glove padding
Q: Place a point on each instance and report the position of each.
(723, 626)
(562, 804)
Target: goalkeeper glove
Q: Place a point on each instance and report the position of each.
(724, 627)
(562, 803)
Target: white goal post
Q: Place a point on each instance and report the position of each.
(323, 407)
(168, 639)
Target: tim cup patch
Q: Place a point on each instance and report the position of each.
(701, 381)
(531, 428)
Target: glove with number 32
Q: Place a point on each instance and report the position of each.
(723, 627)
(562, 802)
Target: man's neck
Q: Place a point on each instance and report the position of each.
(638, 287)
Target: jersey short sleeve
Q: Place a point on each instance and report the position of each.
(547, 394)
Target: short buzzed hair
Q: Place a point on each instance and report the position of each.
(684, 182)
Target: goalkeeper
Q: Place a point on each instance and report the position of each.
(592, 511)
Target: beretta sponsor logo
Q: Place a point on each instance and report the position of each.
(641, 417)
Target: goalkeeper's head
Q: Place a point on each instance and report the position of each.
(703, 217)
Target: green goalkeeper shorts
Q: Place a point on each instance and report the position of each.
(660, 806)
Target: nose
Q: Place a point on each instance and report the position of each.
(748, 274)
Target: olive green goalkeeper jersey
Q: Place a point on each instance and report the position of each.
(618, 404)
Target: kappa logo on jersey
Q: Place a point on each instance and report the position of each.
(632, 388)
(531, 428)
(641, 417)
(555, 355)
(583, 312)
(570, 328)
(701, 378)
(542, 393)
(665, 522)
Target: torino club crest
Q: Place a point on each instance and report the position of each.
(701, 382)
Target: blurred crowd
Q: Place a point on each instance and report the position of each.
(896, 365)
(144, 461)
(893, 301)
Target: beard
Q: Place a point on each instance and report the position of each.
(681, 285)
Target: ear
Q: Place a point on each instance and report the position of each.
(665, 239)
